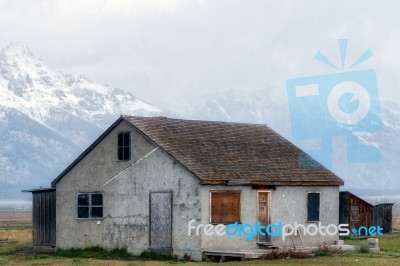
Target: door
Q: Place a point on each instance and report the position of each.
(161, 221)
(263, 214)
(354, 216)
(44, 218)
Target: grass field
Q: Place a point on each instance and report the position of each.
(21, 252)
(22, 220)
(396, 223)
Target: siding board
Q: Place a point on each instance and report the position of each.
(44, 218)
(382, 216)
(361, 214)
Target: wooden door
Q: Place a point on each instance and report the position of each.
(263, 214)
(44, 218)
(161, 221)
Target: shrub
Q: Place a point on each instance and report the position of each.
(284, 253)
(326, 250)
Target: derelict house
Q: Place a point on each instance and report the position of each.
(144, 179)
(357, 212)
(354, 211)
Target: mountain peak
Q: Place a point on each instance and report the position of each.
(18, 49)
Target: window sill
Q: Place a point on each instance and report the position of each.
(89, 219)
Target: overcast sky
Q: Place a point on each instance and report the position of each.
(160, 49)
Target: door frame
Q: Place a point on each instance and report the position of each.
(268, 212)
(168, 249)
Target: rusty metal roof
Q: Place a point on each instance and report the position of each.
(233, 153)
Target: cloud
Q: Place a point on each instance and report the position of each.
(159, 49)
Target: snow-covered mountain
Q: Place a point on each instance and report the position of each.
(48, 117)
(267, 108)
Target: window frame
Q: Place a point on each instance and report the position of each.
(90, 206)
(123, 146)
(239, 207)
(319, 207)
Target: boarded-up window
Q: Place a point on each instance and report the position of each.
(355, 214)
(225, 206)
(124, 146)
(90, 205)
(313, 207)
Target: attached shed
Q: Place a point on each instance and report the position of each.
(354, 211)
(43, 217)
(382, 216)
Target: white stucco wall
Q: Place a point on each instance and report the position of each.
(288, 204)
(126, 197)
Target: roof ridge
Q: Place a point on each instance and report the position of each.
(259, 154)
(193, 120)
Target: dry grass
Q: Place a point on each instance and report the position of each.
(23, 239)
(15, 221)
(396, 223)
(16, 235)
(15, 227)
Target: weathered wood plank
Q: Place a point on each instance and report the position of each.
(43, 218)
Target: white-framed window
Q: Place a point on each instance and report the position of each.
(90, 206)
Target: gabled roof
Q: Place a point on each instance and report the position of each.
(85, 152)
(366, 201)
(228, 153)
(355, 196)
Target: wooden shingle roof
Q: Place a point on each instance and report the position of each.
(234, 153)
